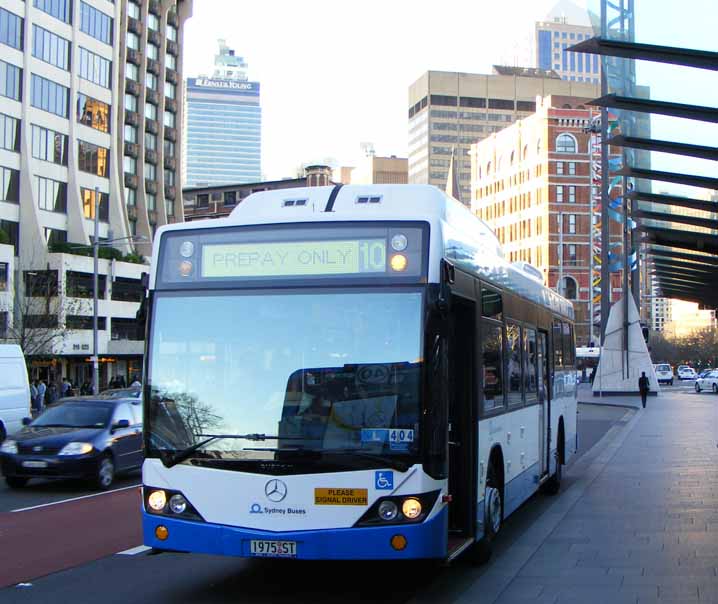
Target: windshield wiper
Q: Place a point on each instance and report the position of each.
(173, 459)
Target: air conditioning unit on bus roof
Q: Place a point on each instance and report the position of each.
(529, 269)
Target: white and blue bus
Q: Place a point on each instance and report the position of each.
(349, 373)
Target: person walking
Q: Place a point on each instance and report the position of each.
(34, 398)
(643, 387)
(41, 390)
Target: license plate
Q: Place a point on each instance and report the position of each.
(34, 464)
(274, 549)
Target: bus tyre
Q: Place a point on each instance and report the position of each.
(493, 518)
(553, 485)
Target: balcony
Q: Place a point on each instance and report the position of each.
(170, 192)
(132, 87)
(154, 37)
(171, 105)
(151, 186)
(155, 7)
(134, 25)
(131, 149)
(151, 126)
(153, 66)
(132, 118)
(171, 75)
(170, 134)
(173, 48)
(151, 156)
(170, 163)
(134, 56)
(130, 180)
(152, 96)
(173, 18)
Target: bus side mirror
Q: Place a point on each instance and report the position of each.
(447, 278)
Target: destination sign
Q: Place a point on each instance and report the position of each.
(294, 258)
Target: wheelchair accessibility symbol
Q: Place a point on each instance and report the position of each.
(384, 481)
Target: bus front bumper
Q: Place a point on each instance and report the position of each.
(425, 540)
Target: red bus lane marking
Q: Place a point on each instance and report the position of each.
(57, 537)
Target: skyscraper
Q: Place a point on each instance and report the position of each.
(224, 124)
(566, 25)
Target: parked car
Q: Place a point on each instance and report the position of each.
(705, 372)
(87, 438)
(709, 382)
(664, 373)
(14, 389)
(686, 373)
(122, 393)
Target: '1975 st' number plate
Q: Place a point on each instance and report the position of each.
(278, 549)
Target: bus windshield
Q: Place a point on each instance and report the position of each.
(320, 372)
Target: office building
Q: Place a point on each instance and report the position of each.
(224, 125)
(375, 170)
(449, 110)
(90, 107)
(566, 25)
(535, 184)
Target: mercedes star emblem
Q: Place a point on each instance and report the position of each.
(275, 490)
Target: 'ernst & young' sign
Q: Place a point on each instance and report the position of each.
(228, 85)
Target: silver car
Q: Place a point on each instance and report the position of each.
(708, 382)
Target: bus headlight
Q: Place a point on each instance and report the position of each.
(411, 508)
(387, 510)
(178, 504)
(157, 500)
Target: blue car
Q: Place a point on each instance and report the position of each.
(89, 438)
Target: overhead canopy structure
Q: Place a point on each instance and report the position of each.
(678, 230)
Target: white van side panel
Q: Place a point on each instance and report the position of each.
(14, 389)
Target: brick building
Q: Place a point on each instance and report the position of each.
(532, 177)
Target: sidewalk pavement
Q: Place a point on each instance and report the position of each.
(585, 395)
(638, 523)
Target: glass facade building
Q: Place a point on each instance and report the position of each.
(224, 127)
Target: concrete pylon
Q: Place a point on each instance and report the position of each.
(610, 378)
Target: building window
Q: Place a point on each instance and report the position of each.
(202, 201)
(80, 322)
(171, 62)
(49, 96)
(9, 185)
(559, 194)
(153, 52)
(132, 72)
(60, 9)
(95, 23)
(129, 165)
(93, 159)
(131, 197)
(10, 80)
(3, 278)
(49, 145)
(230, 198)
(151, 80)
(169, 207)
(88, 204)
(10, 29)
(171, 33)
(150, 111)
(80, 285)
(572, 223)
(169, 178)
(133, 10)
(169, 119)
(12, 230)
(151, 200)
(153, 22)
(127, 290)
(150, 141)
(150, 171)
(9, 133)
(50, 47)
(572, 168)
(130, 134)
(571, 258)
(133, 227)
(566, 143)
(130, 102)
(93, 113)
(569, 288)
(169, 149)
(51, 195)
(170, 90)
(133, 40)
(572, 194)
(559, 168)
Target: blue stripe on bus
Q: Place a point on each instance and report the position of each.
(425, 540)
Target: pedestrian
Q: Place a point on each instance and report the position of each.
(34, 398)
(64, 387)
(41, 392)
(85, 388)
(51, 394)
(121, 382)
(593, 375)
(643, 387)
(136, 383)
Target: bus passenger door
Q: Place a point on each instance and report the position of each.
(544, 393)
(462, 418)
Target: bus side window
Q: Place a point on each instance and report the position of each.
(491, 303)
(569, 346)
(513, 364)
(530, 361)
(557, 345)
(492, 363)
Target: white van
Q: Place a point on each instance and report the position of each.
(14, 390)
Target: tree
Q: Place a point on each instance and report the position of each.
(699, 348)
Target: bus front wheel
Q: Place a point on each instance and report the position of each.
(493, 517)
